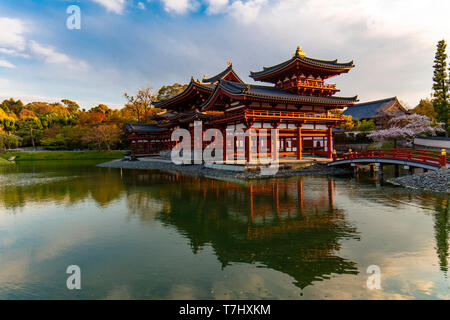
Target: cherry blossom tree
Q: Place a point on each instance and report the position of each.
(406, 127)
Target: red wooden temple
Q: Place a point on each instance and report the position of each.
(298, 104)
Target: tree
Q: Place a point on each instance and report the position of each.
(101, 108)
(348, 124)
(7, 120)
(366, 126)
(141, 104)
(12, 105)
(406, 127)
(425, 108)
(71, 105)
(96, 117)
(8, 141)
(167, 92)
(104, 137)
(30, 129)
(441, 85)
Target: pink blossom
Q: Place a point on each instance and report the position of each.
(406, 127)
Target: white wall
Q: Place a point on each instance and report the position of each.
(433, 143)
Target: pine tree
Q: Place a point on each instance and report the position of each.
(441, 85)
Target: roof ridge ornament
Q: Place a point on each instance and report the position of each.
(229, 63)
(299, 52)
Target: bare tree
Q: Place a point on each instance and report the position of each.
(141, 103)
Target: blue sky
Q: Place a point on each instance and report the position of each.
(126, 44)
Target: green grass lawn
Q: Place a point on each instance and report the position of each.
(4, 162)
(64, 155)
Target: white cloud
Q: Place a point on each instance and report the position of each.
(13, 52)
(11, 33)
(141, 5)
(116, 6)
(51, 55)
(392, 42)
(217, 6)
(6, 64)
(246, 11)
(179, 6)
(387, 18)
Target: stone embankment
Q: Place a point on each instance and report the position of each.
(438, 181)
(201, 170)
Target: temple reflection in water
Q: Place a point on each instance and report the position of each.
(175, 233)
(277, 223)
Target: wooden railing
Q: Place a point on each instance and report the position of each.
(430, 157)
(249, 113)
(316, 84)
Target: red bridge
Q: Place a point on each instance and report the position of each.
(426, 159)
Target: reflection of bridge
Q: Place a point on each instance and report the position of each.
(426, 159)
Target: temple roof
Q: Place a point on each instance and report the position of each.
(207, 85)
(142, 128)
(184, 117)
(163, 115)
(189, 93)
(273, 93)
(227, 73)
(371, 109)
(300, 58)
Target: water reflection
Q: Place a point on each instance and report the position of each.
(279, 224)
(312, 230)
(65, 182)
(441, 231)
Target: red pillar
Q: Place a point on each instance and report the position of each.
(443, 158)
(224, 143)
(299, 142)
(273, 145)
(133, 148)
(248, 146)
(329, 143)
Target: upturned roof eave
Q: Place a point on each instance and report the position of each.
(337, 67)
(222, 75)
(185, 93)
(340, 101)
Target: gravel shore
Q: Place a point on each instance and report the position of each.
(201, 170)
(438, 181)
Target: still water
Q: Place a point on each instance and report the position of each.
(155, 235)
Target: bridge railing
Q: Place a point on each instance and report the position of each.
(430, 157)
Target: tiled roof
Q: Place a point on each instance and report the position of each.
(193, 83)
(270, 92)
(370, 109)
(163, 115)
(332, 65)
(142, 128)
(221, 75)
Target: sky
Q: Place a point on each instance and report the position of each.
(123, 45)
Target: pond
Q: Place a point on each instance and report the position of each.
(140, 234)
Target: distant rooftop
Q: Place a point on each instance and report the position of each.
(371, 109)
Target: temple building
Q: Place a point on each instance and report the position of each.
(297, 103)
(380, 111)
